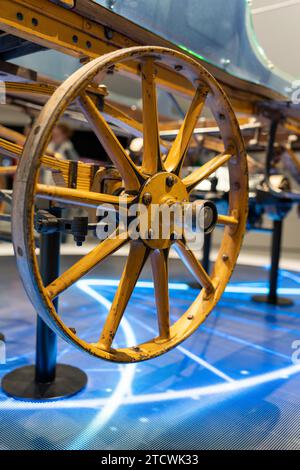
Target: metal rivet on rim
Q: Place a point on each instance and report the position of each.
(190, 317)
(225, 257)
(20, 251)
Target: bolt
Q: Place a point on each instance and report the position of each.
(108, 33)
(20, 251)
(170, 181)
(147, 198)
(73, 330)
(225, 257)
(190, 317)
(178, 68)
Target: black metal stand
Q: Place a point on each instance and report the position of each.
(46, 380)
(272, 297)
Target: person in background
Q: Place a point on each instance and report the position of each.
(61, 143)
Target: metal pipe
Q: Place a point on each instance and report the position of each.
(46, 339)
(275, 257)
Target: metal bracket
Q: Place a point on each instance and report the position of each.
(48, 223)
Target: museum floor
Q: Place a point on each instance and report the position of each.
(232, 385)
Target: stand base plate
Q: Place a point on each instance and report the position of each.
(280, 301)
(21, 384)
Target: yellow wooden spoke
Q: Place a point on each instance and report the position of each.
(137, 257)
(151, 150)
(192, 180)
(177, 153)
(106, 248)
(159, 262)
(194, 266)
(227, 220)
(129, 172)
(80, 197)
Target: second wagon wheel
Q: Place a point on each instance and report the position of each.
(157, 178)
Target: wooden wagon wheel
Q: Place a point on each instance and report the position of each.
(152, 177)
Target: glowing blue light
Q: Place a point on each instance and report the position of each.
(123, 394)
(82, 284)
(236, 289)
(124, 385)
(243, 288)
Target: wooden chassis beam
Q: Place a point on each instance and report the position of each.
(83, 32)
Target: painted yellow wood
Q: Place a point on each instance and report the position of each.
(76, 196)
(152, 162)
(120, 118)
(8, 170)
(159, 262)
(85, 171)
(227, 220)
(129, 172)
(137, 257)
(180, 146)
(194, 266)
(192, 180)
(106, 248)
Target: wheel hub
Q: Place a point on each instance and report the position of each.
(159, 193)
